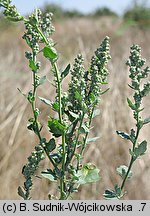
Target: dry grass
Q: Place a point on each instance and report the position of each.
(16, 142)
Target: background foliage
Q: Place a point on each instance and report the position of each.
(109, 150)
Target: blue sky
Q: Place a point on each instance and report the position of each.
(26, 6)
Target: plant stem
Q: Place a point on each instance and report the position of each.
(62, 183)
(132, 157)
(78, 134)
(59, 88)
(86, 136)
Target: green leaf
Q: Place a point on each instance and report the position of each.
(84, 129)
(51, 145)
(46, 101)
(132, 136)
(49, 175)
(42, 80)
(33, 66)
(30, 96)
(57, 158)
(55, 106)
(131, 105)
(113, 194)
(141, 149)
(33, 126)
(21, 193)
(140, 124)
(37, 112)
(65, 72)
(103, 92)
(78, 96)
(56, 127)
(93, 139)
(50, 53)
(146, 121)
(74, 115)
(92, 97)
(118, 191)
(88, 174)
(122, 170)
(109, 194)
(123, 135)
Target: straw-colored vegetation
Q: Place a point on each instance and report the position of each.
(72, 36)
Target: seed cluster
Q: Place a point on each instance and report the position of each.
(137, 74)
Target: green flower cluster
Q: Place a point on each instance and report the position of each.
(85, 86)
(98, 70)
(10, 10)
(29, 169)
(77, 85)
(32, 34)
(137, 74)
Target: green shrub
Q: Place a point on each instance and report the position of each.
(74, 110)
(104, 12)
(140, 14)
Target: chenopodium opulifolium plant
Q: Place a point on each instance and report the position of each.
(141, 88)
(75, 108)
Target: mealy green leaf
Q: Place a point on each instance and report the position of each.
(118, 191)
(122, 170)
(57, 157)
(132, 136)
(131, 105)
(140, 124)
(84, 129)
(33, 66)
(50, 53)
(21, 193)
(65, 72)
(110, 194)
(51, 145)
(74, 115)
(131, 152)
(56, 127)
(113, 194)
(123, 135)
(88, 174)
(46, 101)
(146, 121)
(49, 175)
(93, 139)
(141, 149)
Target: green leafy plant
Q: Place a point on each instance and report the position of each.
(104, 11)
(138, 15)
(141, 88)
(75, 109)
